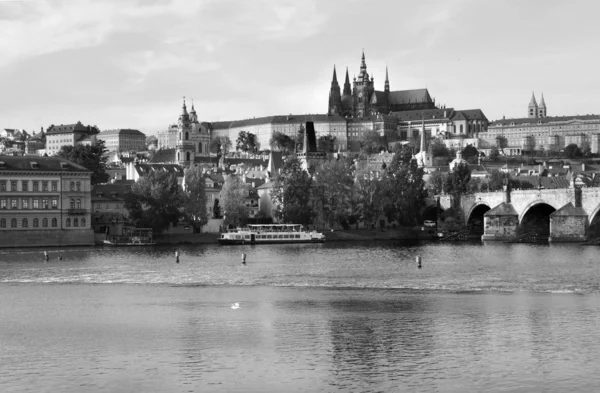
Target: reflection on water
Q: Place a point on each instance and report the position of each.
(311, 318)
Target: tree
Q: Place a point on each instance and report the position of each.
(404, 189)
(371, 142)
(436, 182)
(220, 145)
(334, 180)
(156, 201)
(291, 194)
(494, 152)
(369, 187)
(195, 188)
(247, 142)
(469, 151)
(281, 142)
(89, 157)
(457, 181)
(572, 151)
(326, 143)
(501, 143)
(496, 180)
(437, 148)
(233, 196)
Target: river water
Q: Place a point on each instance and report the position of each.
(347, 317)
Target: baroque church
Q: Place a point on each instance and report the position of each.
(192, 139)
(362, 100)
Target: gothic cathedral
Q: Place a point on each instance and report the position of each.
(363, 100)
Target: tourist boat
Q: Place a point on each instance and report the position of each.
(131, 237)
(271, 234)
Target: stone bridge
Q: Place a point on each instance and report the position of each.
(551, 203)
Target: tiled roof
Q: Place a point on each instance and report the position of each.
(409, 96)
(37, 164)
(163, 155)
(120, 131)
(543, 120)
(206, 160)
(143, 169)
(110, 192)
(69, 128)
(473, 114)
(547, 183)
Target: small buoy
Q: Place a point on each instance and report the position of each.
(244, 258)
(418, 260)
(177, 256)
(59, 257)
(46, 255)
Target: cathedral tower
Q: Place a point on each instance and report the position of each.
(362, 90)
(533, 107)
(335, 98)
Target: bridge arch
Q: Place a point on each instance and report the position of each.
(536, 217)
(593, 215)
(594, 222)
(474, 218)
(532, 205)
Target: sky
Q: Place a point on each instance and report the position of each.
(128, 64)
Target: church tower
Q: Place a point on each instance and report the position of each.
(533, 107)
(335, 98)
(184, 149)
(542, 107)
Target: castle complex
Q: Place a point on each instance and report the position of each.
(363, 100)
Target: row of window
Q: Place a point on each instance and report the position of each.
(74, 186)
(46, 203)
(13, 203)
(36, 223)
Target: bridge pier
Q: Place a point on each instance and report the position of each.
(569, 223)
(500, 223)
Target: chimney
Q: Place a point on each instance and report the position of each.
(577, 196)
(583, 166)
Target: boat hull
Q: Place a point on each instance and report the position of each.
(282, 241)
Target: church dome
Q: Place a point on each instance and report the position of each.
(457, 161)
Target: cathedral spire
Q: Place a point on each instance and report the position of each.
(532, 101)
(542, 111)
(363, 76)
(347, 89)
(387, 81)
(334, 80)
(533, 107)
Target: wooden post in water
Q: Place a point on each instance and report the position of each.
(176, 256)
(418, 260)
